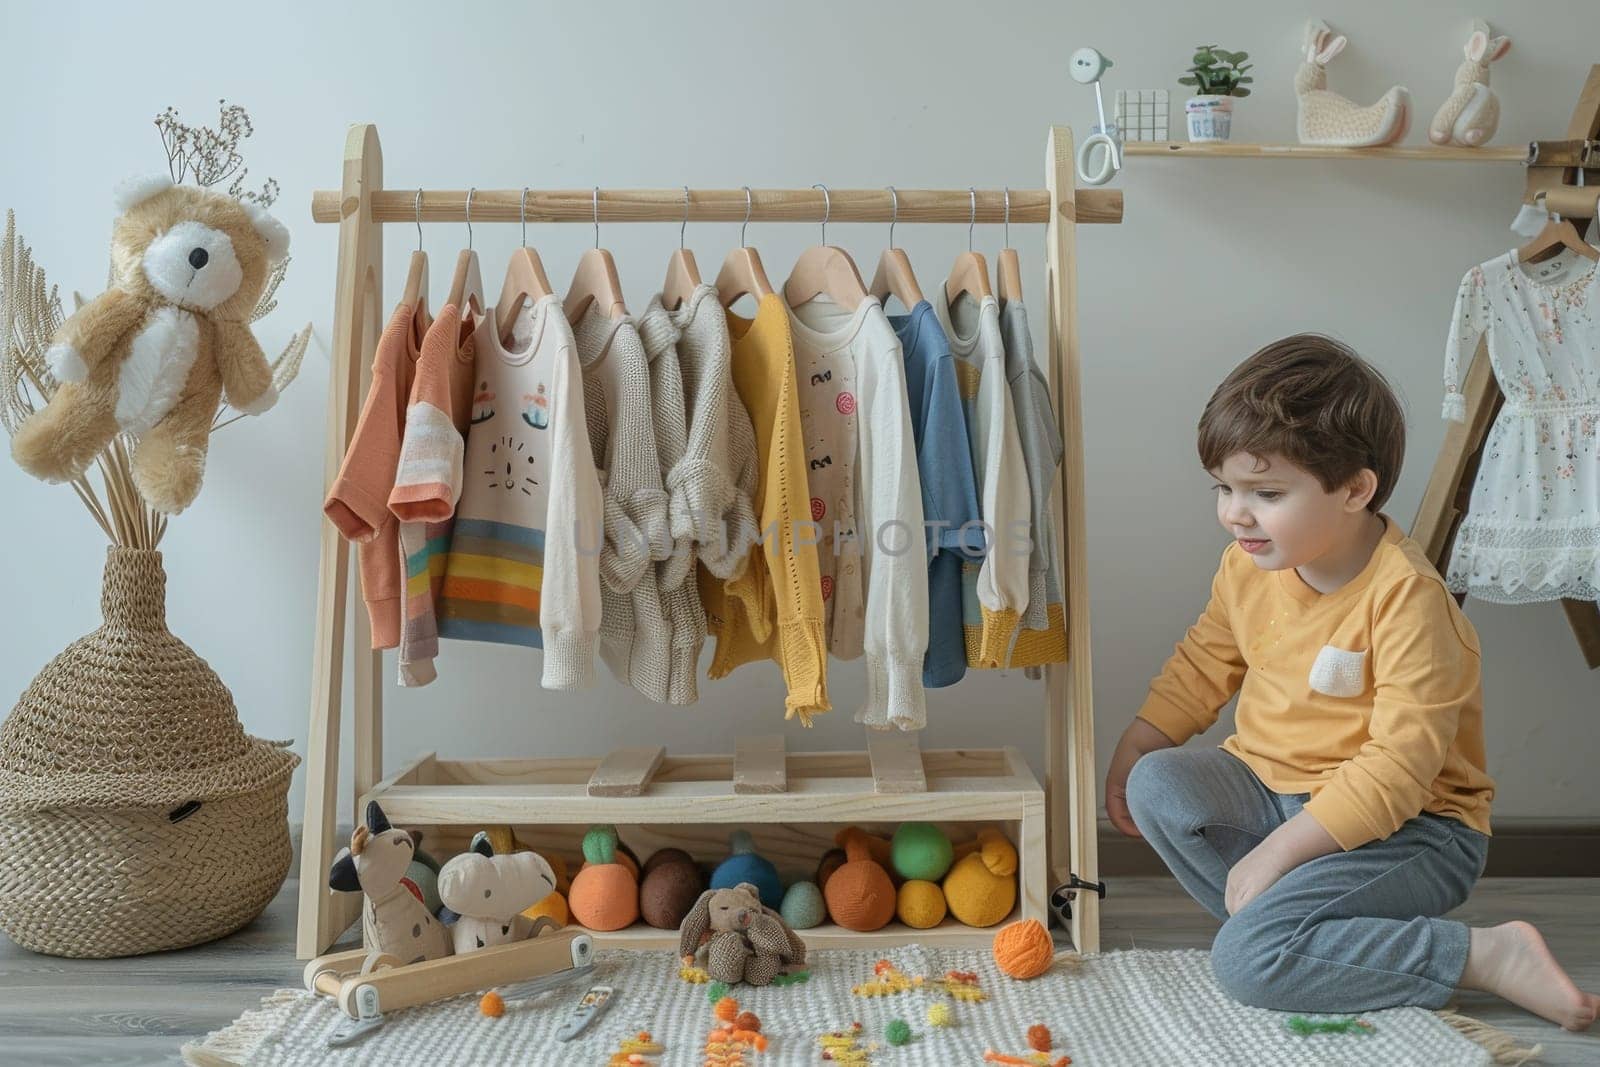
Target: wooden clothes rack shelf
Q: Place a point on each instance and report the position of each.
(790, 801)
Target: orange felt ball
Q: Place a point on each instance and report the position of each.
(492, 1005)
(1039, 1037)
(727, 1009)
(604, 897)
(1024, 949)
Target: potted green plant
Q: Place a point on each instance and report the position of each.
(1220, 77)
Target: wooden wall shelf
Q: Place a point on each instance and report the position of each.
(1239, 150)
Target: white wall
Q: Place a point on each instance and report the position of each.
(1214, 259)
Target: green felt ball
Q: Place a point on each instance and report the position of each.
(921, 850)
(898, 1032)
(803, 907)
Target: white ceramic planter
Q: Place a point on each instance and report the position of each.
(1210, 117)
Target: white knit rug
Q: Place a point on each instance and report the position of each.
(1138, 1007)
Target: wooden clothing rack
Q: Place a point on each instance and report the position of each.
(791, 802)
(1553, 168)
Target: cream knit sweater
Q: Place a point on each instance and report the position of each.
(635, 640)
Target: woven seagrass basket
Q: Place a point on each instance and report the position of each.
(135, 813)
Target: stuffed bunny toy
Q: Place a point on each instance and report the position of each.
(748, 942)
(1326, 118)
(1472, 111)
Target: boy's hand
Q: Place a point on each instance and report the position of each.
(1140, 737)
(1297, 841)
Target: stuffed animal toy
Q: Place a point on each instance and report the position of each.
(395, 921)
(605, 893)
(489, 892)
(1472, 112)
(860, 895)
(745, 866)
(672, 883)
(153, 355)
(1326, 118)
(981, 888)
(747, 942)
(505, 841)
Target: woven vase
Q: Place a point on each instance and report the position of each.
(135, 813)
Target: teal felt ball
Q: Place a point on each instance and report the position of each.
(921, 850)
(745, 866)
(803, 907)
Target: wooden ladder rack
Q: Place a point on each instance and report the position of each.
(791, 798)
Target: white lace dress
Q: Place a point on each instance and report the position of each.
(1532, 530)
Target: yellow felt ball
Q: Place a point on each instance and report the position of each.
(554, 906)
(938, 1014)
(981, 889)
(1024, 949)
(920, 904)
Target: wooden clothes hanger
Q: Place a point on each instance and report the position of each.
(415, 294)
(525, 279)
(466, 288)
(683, 275)
(1008, 271)
(894, 276)
(595, 280)
(1558, 233)
(742, 273)
(823, 270)
(970, 272)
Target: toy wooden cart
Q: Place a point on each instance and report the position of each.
(788, 800)
(366, 984)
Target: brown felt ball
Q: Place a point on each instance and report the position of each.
(860, 895)
(669, 891)
(832, 860)
(665, 855)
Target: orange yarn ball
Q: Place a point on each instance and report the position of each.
(727, 1009)
(1039, 1037)
(1024, 949)
(492, 1005)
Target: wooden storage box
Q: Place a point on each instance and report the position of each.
(792, 804)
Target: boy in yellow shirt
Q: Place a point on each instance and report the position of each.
(1350, 808)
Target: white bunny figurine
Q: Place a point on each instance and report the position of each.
(1326, 118)
(1472, 111)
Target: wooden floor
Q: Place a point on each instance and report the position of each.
(141, 1010)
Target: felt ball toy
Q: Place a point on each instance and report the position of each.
(920, 905)
(670, 888)
(939, 1014)
(831, 861)
(1024, 949)
(664, 855)
(981, 888)
(921, 850)
(553, 907)
(748, 1020)
(898, 1032)
(745, 866)
(493, 1005)
(860, 895)
(803, 907)
(1039, 1038)
(605, 895)
(726, 1009)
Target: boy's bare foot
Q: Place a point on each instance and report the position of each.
(1512, 961)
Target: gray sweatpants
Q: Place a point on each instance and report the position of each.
(1348, 932)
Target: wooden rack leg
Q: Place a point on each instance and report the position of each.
(324, 914)
(1071, 784)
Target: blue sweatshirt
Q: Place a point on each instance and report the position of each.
(949, 489)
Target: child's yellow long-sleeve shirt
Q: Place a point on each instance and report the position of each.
(1368, 698)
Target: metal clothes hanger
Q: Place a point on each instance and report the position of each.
(1008, 271)
(595, 280)
(683, 274)
(415, 294)
(526, 280)
(742, 273)
(894, 276)
(825, 270)
(970, 272)
(467, 285)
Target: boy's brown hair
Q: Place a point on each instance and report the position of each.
(1315, 402)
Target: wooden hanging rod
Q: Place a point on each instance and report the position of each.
(720, 205)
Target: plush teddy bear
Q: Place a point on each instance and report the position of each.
(749, 943)
(153, 355)
(489, 893)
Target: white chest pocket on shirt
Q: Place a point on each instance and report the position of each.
(1338, 672)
